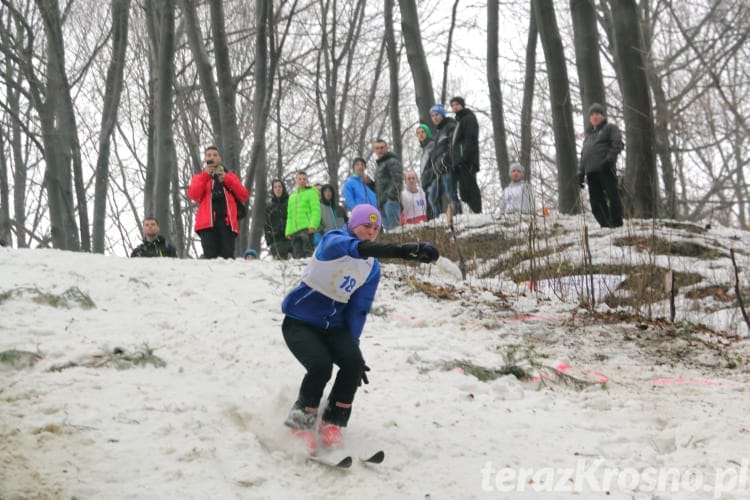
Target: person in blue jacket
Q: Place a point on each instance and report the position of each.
(324, 317)
(358, 188)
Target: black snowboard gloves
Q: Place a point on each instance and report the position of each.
(423, 252)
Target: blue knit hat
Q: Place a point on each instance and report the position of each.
(439, 109)
(363, 214)
(249, 251)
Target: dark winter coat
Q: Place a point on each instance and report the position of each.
(441, 152)
(157, 248)
(465, 144)
(600, 148)
(389, 178)
(427, 176)
(332, 215)
(274, 223)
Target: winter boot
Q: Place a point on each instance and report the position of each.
(301, 421)
(330, 435)
(335, 416)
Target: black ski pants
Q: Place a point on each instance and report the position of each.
(468, 188)
(318, 350)
(218, 241)
(605, 198)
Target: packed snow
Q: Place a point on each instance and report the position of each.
(78, 421)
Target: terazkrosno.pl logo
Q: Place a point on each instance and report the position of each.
(593, 476)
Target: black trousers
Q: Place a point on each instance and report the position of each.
(605, 198)
(218, 241)
(281, 249)
(468, 189)
(318, 350)
(302, 244)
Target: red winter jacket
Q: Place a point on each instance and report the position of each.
(200, 190)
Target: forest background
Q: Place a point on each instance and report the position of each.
(106, 107)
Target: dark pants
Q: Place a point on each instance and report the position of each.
(281, 249)
(302, 244)
(605, 199)
(218, 241)
(468, 189)
(318, 350)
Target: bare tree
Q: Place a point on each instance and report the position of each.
(230, 136)
(586, 43)
(528, 99)
(114, 82)
(420, 71)
(562, 118)
(165, 154)
(496, 96)
(640, 172)
(446, 61)
(393, 64)
(332, 88)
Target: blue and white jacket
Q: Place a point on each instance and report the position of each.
(338, 286)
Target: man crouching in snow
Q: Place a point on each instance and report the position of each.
(324, 317)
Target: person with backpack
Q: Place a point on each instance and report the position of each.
(219, 194)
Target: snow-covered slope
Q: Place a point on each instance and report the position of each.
(209, 423)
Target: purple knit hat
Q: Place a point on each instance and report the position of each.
(363, 214)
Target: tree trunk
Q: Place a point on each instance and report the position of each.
(640, 171)
(496, 95)
(446, 62)
(528, 99)
(231, 145)
(204, 68)
(393, 62)
(56, 133)
(5, 239)
(420, 71)
(663, 119)
(165, 155)
(258, 157)
(113, 90)
(586, 43)
(562, 118)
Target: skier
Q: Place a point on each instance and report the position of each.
(324, 317)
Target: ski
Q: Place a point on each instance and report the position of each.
(375, 458)
(343, 463)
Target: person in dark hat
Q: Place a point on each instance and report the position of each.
(598, 167)
(465, 154)
(324, 316)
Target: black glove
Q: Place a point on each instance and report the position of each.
(423, 252)
(581, 180)
(365, 369)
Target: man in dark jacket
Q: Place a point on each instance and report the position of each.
(389, 180)
(443, 191)
(465, 154)
(154, 245)
(599, 152)
(275, 221)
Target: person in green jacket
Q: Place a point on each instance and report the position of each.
(302, 217)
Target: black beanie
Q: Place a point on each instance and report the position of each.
(459, 100)
(357, 159)
(597, 108)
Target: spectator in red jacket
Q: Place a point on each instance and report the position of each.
(218, 193)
